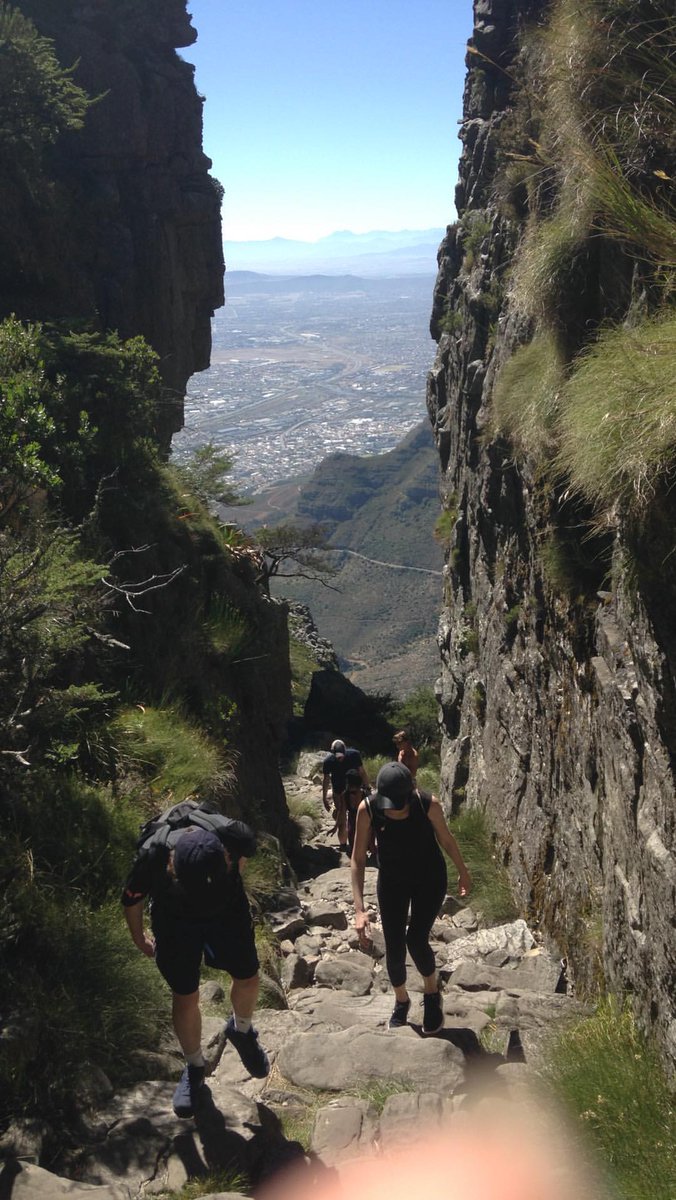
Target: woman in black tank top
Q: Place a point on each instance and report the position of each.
(410, 832)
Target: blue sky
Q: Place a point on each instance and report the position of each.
(325, 116)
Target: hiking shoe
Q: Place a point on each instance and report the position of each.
(399, 1014)
(250, 1051)
(187, 1094)
(433, 1013)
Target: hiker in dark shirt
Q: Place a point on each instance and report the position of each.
(410, 831)
(336, 765)
(199, 908)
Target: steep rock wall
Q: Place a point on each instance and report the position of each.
(132, 238)
(558, 707)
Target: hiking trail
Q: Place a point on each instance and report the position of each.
(335, 1065)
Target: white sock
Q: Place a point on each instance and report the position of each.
(242, 1024)
(196, 1059)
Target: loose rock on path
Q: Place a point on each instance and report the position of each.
(337, 1070)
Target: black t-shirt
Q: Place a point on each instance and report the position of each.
(337, 767)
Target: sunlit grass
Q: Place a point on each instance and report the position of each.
(378, 1091)
(228, 630)
(526, 397)
(213, 1183)
(611, 1079)
(171, 756)
(618, 415)
(491, 893)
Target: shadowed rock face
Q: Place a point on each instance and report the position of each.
(558, 709)
(132, 240)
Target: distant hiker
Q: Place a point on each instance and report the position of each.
(355, 791)
(410, 831)
(198, 907)
(406, 752)
(336, 765)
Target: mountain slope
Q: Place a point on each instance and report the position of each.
(383, 619)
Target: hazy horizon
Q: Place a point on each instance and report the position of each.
(378, 253)
(321, 118)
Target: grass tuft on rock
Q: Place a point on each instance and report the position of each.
(618, 416)
(491, 893)
(170, 756)
(526, 397)
(610, 1079)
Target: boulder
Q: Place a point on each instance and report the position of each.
(340, 1061)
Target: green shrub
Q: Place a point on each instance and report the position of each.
(77, 407)
(475, 228)
(618, 416)
(446, 521)
(206, 471)
(373, 763)
(77, 836)
(38, 98)
(526, 397)
(452, 321)
(611, 1079)
(169, 755)
(263, 873)
(550, 273)
(418, 713)
(491, 893)
(429, 778)
(74, 991)
(303, 666)
(228, 629)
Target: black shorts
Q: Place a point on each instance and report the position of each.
(226, 943)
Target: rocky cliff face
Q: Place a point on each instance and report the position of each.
(131, 238)
(557, 693)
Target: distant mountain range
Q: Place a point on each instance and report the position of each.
(404, 252)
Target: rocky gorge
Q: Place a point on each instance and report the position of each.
(337, 1071)
(556, 636)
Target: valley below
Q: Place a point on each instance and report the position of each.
(317, 390)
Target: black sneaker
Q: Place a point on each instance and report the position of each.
(433, 1013)
(399, 1016)
(187, 1094)
(250, 1051)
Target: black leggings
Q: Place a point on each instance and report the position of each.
(424, 896)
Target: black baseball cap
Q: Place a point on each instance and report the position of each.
(393, 786)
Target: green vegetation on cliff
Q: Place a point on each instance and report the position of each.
(140, 661)
(125, 618)
(592, 393)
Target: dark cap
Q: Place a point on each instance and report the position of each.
(337, 747)
(199, 858)
(393, 785)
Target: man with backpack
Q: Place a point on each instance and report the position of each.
(188, 863)
(335, 768)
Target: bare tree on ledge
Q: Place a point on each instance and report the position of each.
(295, 551)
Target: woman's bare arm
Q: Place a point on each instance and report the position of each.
(357, 867)
(448, 843)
